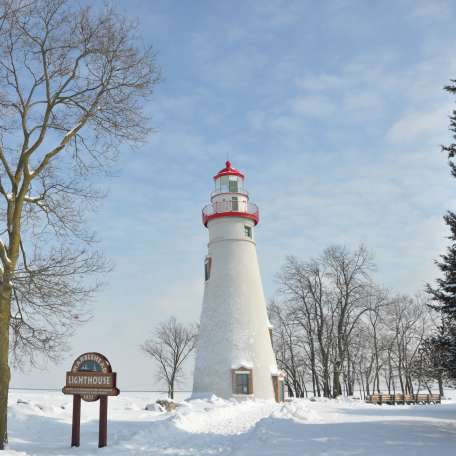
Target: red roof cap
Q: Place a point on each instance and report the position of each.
(228, 171)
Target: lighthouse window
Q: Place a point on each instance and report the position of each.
(233, 184)
(234, 203)
(223, 183)
(248, 231)
(242, 381)
(207, 268)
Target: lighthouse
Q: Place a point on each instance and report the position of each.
(234, 356)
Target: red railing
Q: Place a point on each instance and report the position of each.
(225, 190)
(230, 209)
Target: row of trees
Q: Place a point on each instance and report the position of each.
(337, 332)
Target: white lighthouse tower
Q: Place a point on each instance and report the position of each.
(235, 356)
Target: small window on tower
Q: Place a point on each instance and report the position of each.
(234, 203)
(207, 268)
(242, 384)
(248, 231)
(242, 381)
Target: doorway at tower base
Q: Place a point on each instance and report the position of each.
(278, 382)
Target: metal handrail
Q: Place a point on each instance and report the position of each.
(239, 192)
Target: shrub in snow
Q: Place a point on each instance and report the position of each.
(154, 408)
(167, 404)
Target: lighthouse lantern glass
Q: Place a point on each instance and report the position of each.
(228, 184)
(233, 184)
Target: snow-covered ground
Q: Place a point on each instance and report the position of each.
(40, 424)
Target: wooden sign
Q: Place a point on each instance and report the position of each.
(91, 378)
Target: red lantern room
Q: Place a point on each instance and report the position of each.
(229, 198)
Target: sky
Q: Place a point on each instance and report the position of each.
(334, 110)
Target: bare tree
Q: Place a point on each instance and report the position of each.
(334, 328)
(409, 321)
(289, 346)
(349, 273)
(433, 354)
(72, 89)
(169, 347)
(305, 288)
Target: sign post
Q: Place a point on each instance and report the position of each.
(76, 430)
(91, 378)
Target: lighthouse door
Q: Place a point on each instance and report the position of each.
(279, 389)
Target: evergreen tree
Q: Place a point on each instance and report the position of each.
(444, 294)
(451, 149)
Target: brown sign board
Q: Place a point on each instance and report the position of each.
(91, 378)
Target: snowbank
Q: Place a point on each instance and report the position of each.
(40, 425)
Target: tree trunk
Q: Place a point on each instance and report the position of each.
(337, 388)
(14, 218)
(401, 381)
(439, 379)
(171, 389)
(377, 364)
(428, 388)
(390, 374)
(361, 383)
(290, 390)
(5, 374)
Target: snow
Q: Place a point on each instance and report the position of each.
(40, 424)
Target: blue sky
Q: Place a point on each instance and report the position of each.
(334, 110)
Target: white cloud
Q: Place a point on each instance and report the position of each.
(431, 125)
